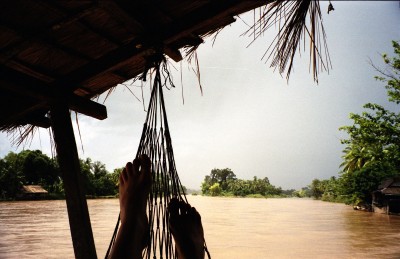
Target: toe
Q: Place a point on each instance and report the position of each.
(136, 164)
(129, 170)
(145, 161)
(173, 208)
(135, 169)
(196, 216)
(123, 177)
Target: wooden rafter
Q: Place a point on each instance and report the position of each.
(13, 48)
(102, 34)
(21, 84)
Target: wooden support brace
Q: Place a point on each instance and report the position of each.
(67, 155)
(175, 54)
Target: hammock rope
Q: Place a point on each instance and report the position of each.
(156, 143)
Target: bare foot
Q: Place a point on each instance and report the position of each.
(185, 225)
(134, 188)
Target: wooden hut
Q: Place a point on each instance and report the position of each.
(56, 56)
(387, 198)
(32, 192)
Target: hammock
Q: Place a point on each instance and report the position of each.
(156, 143)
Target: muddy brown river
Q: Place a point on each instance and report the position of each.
(234, 228)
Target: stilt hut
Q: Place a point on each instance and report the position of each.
(387, 198)
(56, 56)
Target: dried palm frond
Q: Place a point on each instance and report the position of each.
(79, 131)
(290, 17)
(193, 61)
(21, 135)
(196, 70)
(24, 134)
(192, 57)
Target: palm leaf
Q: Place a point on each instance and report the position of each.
(290, 17)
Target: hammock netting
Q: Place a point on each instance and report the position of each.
(156, 143)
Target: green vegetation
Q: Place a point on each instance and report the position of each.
(28, 167)
(98, 181)
(372, 151)
(223, 182)
(33, 167)
(304, 192)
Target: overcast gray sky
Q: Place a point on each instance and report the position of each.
(249, 118)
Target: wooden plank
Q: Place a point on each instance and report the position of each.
(87, 107)
(67, 155)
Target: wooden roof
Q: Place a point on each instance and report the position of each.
(75, 50)
(390, 186)
(33, 189)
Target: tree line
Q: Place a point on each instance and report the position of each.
(372, 149)
(32, 167)
(224, 182)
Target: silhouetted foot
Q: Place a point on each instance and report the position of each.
(187, 230)
(134, 188)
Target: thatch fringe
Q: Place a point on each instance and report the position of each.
(23, 136)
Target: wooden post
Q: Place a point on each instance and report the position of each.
(67, 155)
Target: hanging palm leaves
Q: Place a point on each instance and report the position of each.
(291, 19)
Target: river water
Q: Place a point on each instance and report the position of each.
(234, 228)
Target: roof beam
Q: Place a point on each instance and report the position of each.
(27, 69)
(21, 84)
(20, 117)
(43, 122)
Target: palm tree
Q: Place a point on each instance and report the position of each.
(356, 157)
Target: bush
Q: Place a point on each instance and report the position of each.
(215, 189)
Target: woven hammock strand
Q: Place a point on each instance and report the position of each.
(156, 143)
